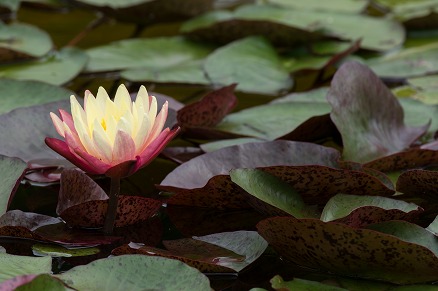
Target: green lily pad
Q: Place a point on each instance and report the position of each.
(410, 62)
(252, 63)
(345, 6)
(359, 211)
(271, 190)
(368, 116)
(11, 171)
(43, 282)
(299, 284)
(135, 272)
(424, 89)
(288, 25)
(18, 93)
(12, 266)
(23, 40)
(149, 54)
(189, 72)
(56, 69)
(272, 120)
(59, 251)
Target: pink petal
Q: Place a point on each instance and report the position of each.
(155, 148)
(57, 122)
(66, 117)
(98, 166)
(158, 124)
(63, 149)
(124, 148)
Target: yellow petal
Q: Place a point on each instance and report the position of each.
(122, 100)
(59, 125)
(124, 148)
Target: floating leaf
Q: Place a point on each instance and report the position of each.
(13, 283)
(210, 110)
(56, 69)
(28, 220)
(271, 190)
(149, 54)
(368, 116)
(410, 62)
(43, 282)
(241, 62)
(340, 249)
(219, 193)
(26, 129)
(359, 211)
(300, 284)
(130, 210)
(272, 120)
(411, 158)
(59, 251)
(421, 183)
(155, 273)
(12, 266)
(196, 172)
(21, 40)
(286, 26)
(18, 93)
(345, 6)
(11, 171)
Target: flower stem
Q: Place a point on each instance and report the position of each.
(111, 213)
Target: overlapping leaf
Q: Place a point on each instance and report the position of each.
(360, 103)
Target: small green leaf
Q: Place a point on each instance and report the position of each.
(59, 251)
(342, 205)
(301, 284)
(271, 190)
(43, 282)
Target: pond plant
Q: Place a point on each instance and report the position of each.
(296, 147)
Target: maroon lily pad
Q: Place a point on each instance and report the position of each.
(200, 264)
(420, 183)
(130, 210)
(412, 158)
(77, 188)
(219, 193)
(202, 221)
(317, 184)
(344, 250)
(366, 215)
(148, 232)
(368, 116)
(66, 236)
(210, 110)
(196, 172)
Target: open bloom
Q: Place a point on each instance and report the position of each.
(115, 138)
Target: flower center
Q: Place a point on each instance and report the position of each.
(103, 123)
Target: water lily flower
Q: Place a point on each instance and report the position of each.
(115, 138)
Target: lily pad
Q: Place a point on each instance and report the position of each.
(56, 69)
(43, 282)
(359, 211)
(367, 115)
(421, 183)
(155, 273)
(220, 252)
(299, 284)
(287, 25)
(271, 190)
(26, 129)
(345, 6)
(412, 158)
(340, 249)
(149, 54)
(409, 62)
(196, 172)
(18, 93)
(21, 40)
(11, 171)
(59, 251)
(241, 62)
(12, 266)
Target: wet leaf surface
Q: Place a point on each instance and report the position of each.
(358, 99)
(154, 272)
(354, 252)
(196, 172)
